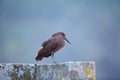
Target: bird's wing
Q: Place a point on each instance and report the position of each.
(47, 48)
(50, 46)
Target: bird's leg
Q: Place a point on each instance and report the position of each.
(53, 58)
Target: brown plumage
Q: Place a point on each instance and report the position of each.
(52, 45)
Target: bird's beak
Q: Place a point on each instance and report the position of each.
(67, 41)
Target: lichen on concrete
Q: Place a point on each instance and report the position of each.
(89, 71)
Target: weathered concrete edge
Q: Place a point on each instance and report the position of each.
(74, 70)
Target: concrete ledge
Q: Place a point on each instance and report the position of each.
(64, 71)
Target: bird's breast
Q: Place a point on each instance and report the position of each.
(61, 44)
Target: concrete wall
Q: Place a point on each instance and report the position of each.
(62, 71)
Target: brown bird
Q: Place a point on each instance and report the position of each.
(52, 45)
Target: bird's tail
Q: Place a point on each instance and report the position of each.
(38, 58)
(41, 54)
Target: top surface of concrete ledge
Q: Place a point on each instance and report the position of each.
(54, 63)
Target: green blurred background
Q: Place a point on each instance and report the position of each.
(92, 27)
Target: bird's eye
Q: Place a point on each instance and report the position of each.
(63, 34)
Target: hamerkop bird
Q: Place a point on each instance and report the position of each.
(52, 45)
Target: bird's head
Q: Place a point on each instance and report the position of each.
(61, 35)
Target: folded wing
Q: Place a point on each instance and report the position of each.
(48, 47)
